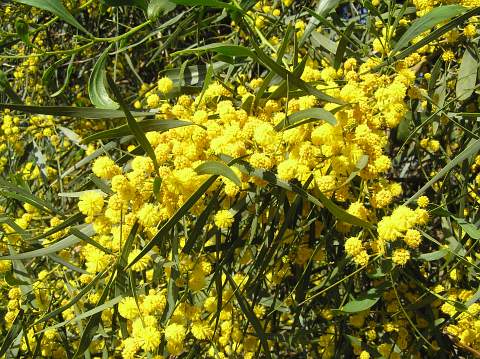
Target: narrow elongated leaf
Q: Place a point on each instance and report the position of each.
(323, 9)
(57, 246)
(67, 78)
(182, 211)
(158, 7)
(318, 39)
(259, 55)
(311, 113)
(55, 7)
(88, 240)
(92, 325)
(221, 48)
(80, 112)
(288, 76)
(207, 3)
(142, 4)
(7, 88)
(13, 191)
(430, 37)
(135, 128)
(427, 22)
(74, 300)
(218, 168)
(88, 314)
(322, 201)
(342, 46)
(433, 256)
(13, 332)
(145, 126)
(250, 315)
(472, 230)
(471, 150)
(363, 302)
(97, 90)
(467, 75)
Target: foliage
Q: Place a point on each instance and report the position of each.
(239, 179)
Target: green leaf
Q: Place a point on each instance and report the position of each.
(467, 75)
(22, 30)
(97, 90)
(323, 9)
(433, 256)
(158, 7)
(342, 46)
(296, 81)
(13, 332)
(55, 7)
(429, 38)
(436, 16)
(142, 4)
(134, 126)
(471, 150)
(218, 168)
(87, 239)
(74, 300)
(322, 201)
(259, 55)
(227, 50)
(5, 86)
(472, 230)
(55, 247)
(12, 281)
(91, 328)
(318, 39)
(359, 166)
(403, 129)
(311, 113)
(67, 78)
(250, 315)
(80, 112)
(10, 190)
(192, 75)
(145, 126)
(182, 211)
(207, 3)
(89, 313)
(363, 302)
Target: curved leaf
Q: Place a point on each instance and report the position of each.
(311, 113)
(96, 85)
(142, 4)
(218, 168)
(363, 302)
(467, 75)
(70, 111)
(133, 125)
(427, 22)
(146, 126)
(158, 7)
(55, 7)
(56, 247)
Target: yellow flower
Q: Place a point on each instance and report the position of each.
(223, 219)
(142, 263)
(353, 246)
(91, 203)
(400, 256)
(448, 56)
(165, 85)
(150, 339)
(127, 308)
(105, 168)
(175, 333)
